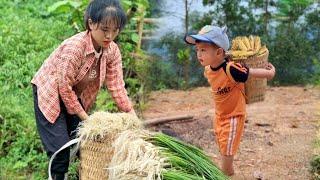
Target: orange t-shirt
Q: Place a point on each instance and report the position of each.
(228, 92)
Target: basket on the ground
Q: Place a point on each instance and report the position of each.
(96, 135)
(95, 156)
(115, 146)
(255, 88)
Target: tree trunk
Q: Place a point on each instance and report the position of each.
(186, 62)
(140, 32)
(266, 17)
(186, 16)
(186, 72)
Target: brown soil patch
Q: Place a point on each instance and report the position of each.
(280, 150)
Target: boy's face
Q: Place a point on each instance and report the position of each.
(208, 54)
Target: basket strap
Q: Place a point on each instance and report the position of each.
(229, 73)
(232, 79)
(72, 153)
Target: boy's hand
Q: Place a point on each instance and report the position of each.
(272, 71)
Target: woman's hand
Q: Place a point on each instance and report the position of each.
(133, 112)
(83, 115)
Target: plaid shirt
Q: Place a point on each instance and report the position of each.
(68, 65)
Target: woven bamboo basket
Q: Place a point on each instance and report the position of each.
(255, 88)
(95, 156)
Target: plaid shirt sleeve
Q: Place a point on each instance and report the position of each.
(115, 84)
(67, 73)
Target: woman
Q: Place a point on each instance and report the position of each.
(66, 85)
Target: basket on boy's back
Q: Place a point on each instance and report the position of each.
(250, 52)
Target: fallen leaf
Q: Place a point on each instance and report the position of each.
(262, 124)
(294, 126)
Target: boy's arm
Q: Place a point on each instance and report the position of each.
(267, 72)
(238, 72)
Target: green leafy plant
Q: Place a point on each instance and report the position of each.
(315, 167)
(72, 9)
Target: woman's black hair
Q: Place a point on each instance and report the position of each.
(105, 11)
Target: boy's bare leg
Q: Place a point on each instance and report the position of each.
(227, 165)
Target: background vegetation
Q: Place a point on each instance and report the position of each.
(31, 29)
(290, 29)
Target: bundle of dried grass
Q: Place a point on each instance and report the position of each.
(96, 136)
(114, 146)
(140, 154)
(104, 124)
(135, 158)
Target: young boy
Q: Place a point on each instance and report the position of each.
(226, 79)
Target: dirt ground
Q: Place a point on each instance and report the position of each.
(279, 132)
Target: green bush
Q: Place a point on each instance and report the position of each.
(315, 167)
(161, 75)
(316, 67)
(169, 69)
(292, 56)
(27, 38)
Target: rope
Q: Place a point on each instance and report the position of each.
(73, 152)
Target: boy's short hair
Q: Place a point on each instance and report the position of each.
(211, 34)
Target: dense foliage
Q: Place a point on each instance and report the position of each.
(27, 38)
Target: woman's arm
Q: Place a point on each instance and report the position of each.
(267, 72)
(115, 83)
(66, 69)
(82, 115)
